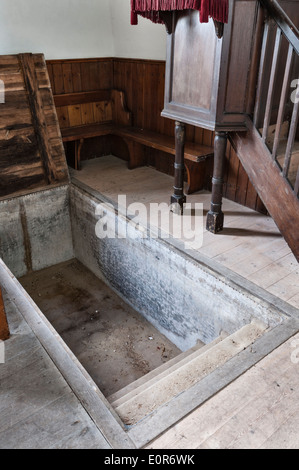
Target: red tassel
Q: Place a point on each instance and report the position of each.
(204, 11)
(216, 9)
(164, 5)
(134, 18)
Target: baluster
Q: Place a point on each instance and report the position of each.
(271, 84)
(291, 139)
(296, 187)
(261, 76)
(283, 99)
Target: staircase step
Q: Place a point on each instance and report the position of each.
(151, 378)
(184, 377)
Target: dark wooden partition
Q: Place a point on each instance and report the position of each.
(143, 82)
(31, 150)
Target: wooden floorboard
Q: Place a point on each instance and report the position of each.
(37, 407)
(250, 245)
(257, 410)
(58, 425)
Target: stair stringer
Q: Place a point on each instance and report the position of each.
(268, 181)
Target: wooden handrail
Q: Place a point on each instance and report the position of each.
(283, 21)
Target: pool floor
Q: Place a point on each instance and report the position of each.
(113, 342)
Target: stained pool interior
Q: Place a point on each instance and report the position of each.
(114, 343)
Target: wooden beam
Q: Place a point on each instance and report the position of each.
(4, 329)
(275, 192)
(38, 116)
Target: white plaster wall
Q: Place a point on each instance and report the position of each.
(61, 29)
(144, 41)
(67, 29)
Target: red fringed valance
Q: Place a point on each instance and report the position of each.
(216, 9)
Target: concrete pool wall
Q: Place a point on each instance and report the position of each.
(185, 299)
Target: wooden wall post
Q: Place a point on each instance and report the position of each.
(4, 330)
(38, 116)
(215, 217)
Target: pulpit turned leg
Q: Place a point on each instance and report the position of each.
(178, 198)
(78, 149)
(4, 330)
(215, 217)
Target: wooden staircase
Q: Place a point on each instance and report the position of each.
(269, 150)
(155, 389)
(273, 188)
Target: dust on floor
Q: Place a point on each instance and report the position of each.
(114, 343)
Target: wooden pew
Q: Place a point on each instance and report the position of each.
(104, 113)
(196, 155)
(90, 114)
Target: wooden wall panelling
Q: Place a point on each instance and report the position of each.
(129, 76)
(74, 113)
(241, 186)
(102, 111)
(67, 78)
(143, 83)
(230, 186)
(76, 76)
(63, 116)
(58, 87)
(136, 101)
(162, 123)
(251, 196)
(153, 108)
(87, 79)
(51, 75)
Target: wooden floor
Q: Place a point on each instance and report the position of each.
(250, 245)
(258, 410)
(264, 411)
(261, 408)
(37, 407)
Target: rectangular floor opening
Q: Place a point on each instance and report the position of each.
(114, 343)
(147, 321)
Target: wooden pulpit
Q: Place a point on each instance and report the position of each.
(210, 83)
